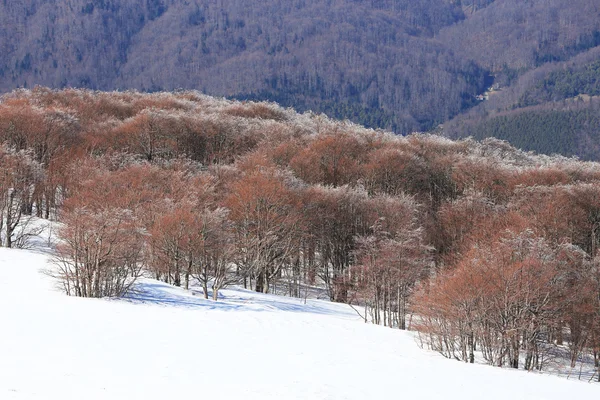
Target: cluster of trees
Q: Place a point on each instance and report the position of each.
(390, 261)
(118, 223)
(512, 300)
(20, 181)
(494, 250)
(524, 277)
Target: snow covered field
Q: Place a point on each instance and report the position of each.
(165, 343)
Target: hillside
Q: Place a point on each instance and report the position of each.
(372, 62)
(166, 342)
(493, 248)
(516, 36)
(550, 109)
(400, 65)
(544, 57)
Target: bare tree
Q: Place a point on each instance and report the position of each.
(101, 253)
(19, 176)
(265, 225)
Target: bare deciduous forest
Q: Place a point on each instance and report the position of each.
(481, 247)
(400, 65)
(489, 251)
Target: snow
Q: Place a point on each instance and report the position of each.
(164, 342)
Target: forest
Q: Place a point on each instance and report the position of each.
(400, 65)
(570, 128)
(372, 62)
(486, 250)
(548, 108)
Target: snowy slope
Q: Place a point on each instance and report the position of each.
(169, 344)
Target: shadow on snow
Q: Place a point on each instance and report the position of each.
(232, 299)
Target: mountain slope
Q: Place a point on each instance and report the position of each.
(395, 64)
(554, 108)
(349, 58)
(519, 35)
(165, 342)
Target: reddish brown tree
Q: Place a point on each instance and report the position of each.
(102, 249)
(391, 260)
(331, 159)
(266, 224)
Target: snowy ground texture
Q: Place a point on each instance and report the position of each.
(165, 343)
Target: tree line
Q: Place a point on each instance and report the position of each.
(487, 250)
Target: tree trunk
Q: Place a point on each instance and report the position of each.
(205, 288)
(514, 361)
(177, 275)
(401, 311)
(259, 283)
(188, 271)
(9, 221)
(471, 348)
(265, 283)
